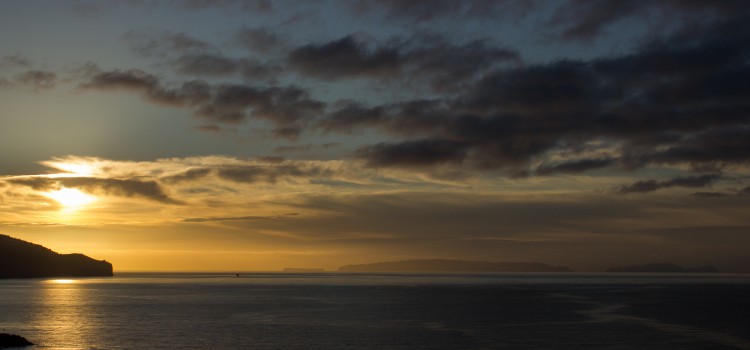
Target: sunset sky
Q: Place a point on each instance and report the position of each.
(257, 135)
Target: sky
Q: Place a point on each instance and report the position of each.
(223, 135)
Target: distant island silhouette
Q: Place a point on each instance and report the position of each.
(300, 269)
(21, 259)
(444, 265)
(663, 267)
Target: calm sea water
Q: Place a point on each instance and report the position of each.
(381, 311)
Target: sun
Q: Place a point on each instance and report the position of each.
(71, 198)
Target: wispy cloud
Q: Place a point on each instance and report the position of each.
(240, 218)
(114, 187)
(653, 185)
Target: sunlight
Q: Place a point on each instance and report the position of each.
(71, 198)
(62, 281)
(71, 168)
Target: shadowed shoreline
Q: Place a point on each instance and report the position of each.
(13, 341)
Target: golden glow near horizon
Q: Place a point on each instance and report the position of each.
(62, 281)
(71, 198)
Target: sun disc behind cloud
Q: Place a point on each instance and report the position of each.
(71, 198)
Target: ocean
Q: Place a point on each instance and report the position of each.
(381, 311)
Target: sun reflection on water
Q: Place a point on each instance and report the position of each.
(64, 315)
(62, 281)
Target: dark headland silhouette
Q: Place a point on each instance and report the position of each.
(21, 259)
(663, 267)
(13, 341)
(443, 265)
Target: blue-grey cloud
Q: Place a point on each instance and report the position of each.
(166, 44)
(220, 66)
(420, 11)
(646, 186)
(586, 20)
(288, 107)
(346, 57)
(259, 39)
(678, 99)
(436, 62)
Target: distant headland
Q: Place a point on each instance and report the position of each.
(302, 270)
(443, 265)
(21, 259)
(663, 267)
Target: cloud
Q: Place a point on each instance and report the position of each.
(166, 43)
(37, 79)
(413, 153)
(271, 173)
(133, 79)
(349, 116)
(208, 128)
(184, 173)
(678, 99)
(34, 80)
(255, 6)
(259, 39)
(305, 148)
(576, 20)
(240, 218)
(448, 66)
(586, 20)
(741, 192)
(187, 175)
(654, 185)
(345, 57)
(710, 194)
(114, 187)
(190, 94)
(574, 167)
(714, 147)
(15, 61)
(440, 63)
(419, 11)
(211, 65)
(220, 66)
(193, 57)
(288, 107)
